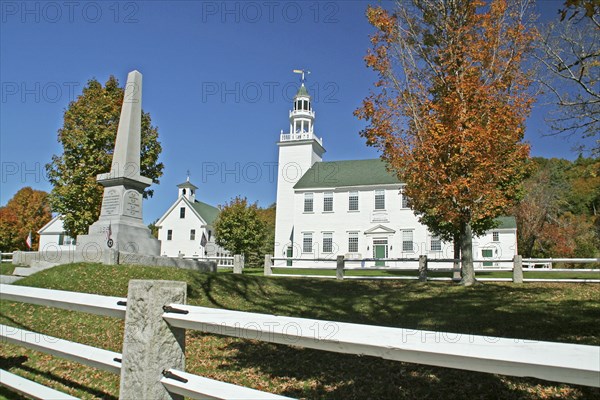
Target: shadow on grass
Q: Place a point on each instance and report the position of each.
(19, 363)
(340, 376)
(534, 312)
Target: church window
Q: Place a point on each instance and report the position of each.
(328, 201)
(182, 212)
(170, 234)
(353, 242)
(496, 236)
(353, 201)
(307, 242)
(327, 242)
(407, 241)
(380, 199)
(308, 202)
(192, 234)
(436, 244)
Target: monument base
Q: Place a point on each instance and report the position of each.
(125, 236)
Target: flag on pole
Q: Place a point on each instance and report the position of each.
(203, 241)
(28, 241)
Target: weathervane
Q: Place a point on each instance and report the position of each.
(188, 175)
(302, 72)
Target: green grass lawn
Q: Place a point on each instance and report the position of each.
(6, 269)
(557, 312)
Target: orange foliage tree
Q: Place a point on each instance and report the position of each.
(28, 211)
(449, 108)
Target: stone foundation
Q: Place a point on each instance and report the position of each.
(110, 257)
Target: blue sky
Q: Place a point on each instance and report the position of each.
(218, 83)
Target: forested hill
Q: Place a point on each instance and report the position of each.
(558, 217)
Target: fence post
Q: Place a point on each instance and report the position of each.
(268, 264)
(150, 345)
(339, 270)
(423, 268)
(238, 264)
(518, 269)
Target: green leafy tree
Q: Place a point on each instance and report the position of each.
(28, 211)
(240, 229)
(153, 228)
(88, 139)
(268, 217)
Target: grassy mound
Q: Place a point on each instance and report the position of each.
(544, 311)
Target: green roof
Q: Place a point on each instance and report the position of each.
(506, 222)
(347, 173)
(187, 184)
(206, 211)
(302, 91)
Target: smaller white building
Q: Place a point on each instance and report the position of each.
(186, 229)
(54, 238)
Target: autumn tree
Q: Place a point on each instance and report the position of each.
(241, 229)
(569, 52)
(28, 211)
(558, 215)
(449, 107)
(88, 139)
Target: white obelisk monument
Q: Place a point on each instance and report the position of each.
(120, 226)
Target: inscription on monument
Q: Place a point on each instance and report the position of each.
(110, 203)
(132, 201)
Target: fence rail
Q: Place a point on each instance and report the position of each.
(6, 257)
(163, 321)
(515, 266)
(29, 388)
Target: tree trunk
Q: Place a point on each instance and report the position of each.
(456, 274)
(466, 243)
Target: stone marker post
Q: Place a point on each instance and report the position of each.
(150, 345)
(268, 265)
(237, 264)
(518, 269)
(339, 270)
(422, 268)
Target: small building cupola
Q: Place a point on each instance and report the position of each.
(302, 117)
(188, 190)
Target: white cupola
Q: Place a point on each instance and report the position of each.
(302, 117)
(187, 190)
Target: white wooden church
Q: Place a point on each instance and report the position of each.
(186, 229)
(354, 208)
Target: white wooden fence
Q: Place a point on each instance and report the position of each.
(514, 265)
(560, 362)
(6, 257)
(222, 261)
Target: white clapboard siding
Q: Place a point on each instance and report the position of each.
(31, 389)
(198, 387)
(560, 362)
(74, 301)
(81, 353)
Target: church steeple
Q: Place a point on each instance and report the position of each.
(302, 116)
(298, 151)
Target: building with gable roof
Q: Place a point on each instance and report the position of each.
(355, 208)
(186, 228)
